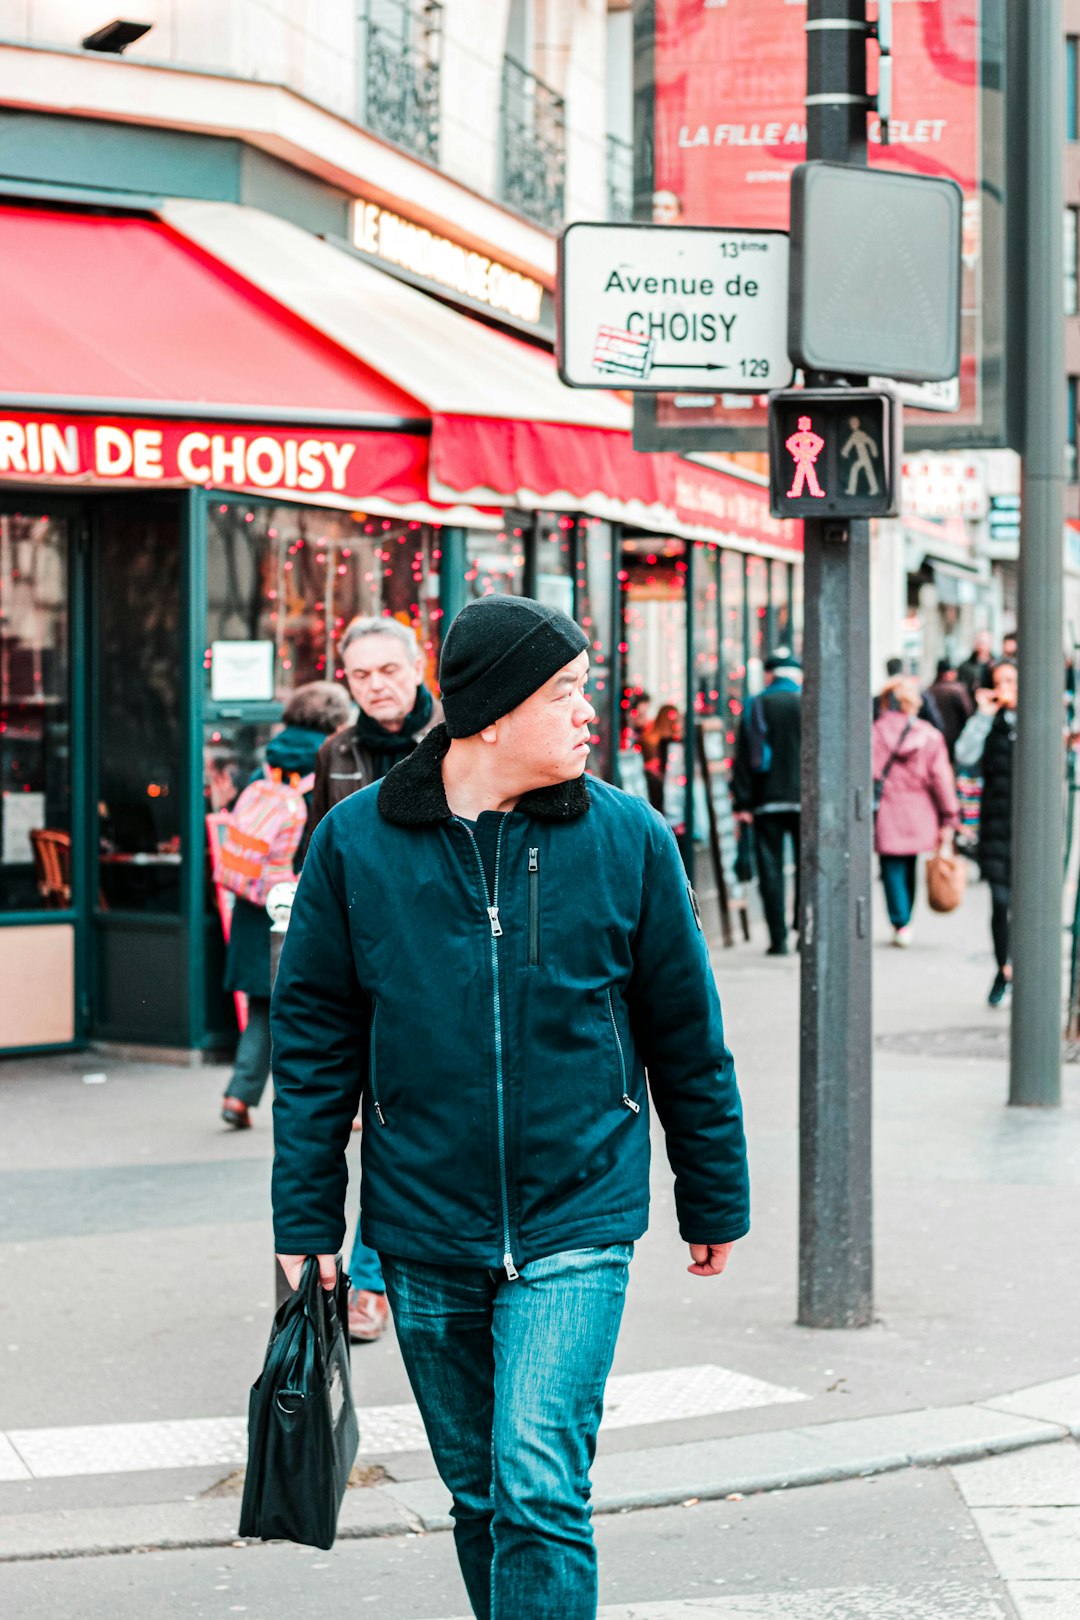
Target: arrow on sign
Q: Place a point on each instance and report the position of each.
(681, 365)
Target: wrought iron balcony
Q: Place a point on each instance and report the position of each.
(401, 63)
(620, 179)
(533, 169)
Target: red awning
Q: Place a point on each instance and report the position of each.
(123, 309)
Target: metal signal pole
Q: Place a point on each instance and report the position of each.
(1035, 134)
(835, 1210)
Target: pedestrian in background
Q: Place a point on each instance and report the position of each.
(977, 672)
(311, 713)
(953, 702)
(384, 669)
(987, 744)
(498, 1029)
(917, 810)
(766, 785)
(656, 740)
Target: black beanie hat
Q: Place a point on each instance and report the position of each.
(498, 652)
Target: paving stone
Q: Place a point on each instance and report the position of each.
(1044, 1476)
(425, 1502)
(946, 1600)
(1056, 1402)
(1032, 1544)
(1046, 1600)
(938, 1434)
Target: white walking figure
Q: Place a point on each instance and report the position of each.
(863, 448)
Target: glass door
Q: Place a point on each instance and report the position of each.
(42, 886)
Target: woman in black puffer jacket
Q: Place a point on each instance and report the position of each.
(988, 743)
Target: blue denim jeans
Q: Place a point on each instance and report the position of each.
(364, 1268)
(509, 1378)
(898, 874)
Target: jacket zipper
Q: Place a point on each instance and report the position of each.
(534, 908)
(500, 1104)
(372, 1076)
(628, 1101)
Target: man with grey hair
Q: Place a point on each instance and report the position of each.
(384, 669)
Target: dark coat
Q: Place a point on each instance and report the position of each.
(247, 956)
(343, 766)
(995, 810)
(499, 1056)
(780, 785)
(955, 706)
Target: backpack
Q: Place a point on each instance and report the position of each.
(261, 834)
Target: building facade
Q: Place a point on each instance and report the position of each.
(279, 289)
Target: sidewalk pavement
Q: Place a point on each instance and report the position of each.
(135, 1244)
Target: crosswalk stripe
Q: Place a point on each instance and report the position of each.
(631, 1399)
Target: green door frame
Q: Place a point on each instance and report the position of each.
(74, 513)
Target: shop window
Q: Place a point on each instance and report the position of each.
(35, 715)
(556, 556)
(652, 583)
(138, 725)
(757, 598)
(290, 579)
(708, 698)
(780, 628)
(593, 611)
(1072, 405)
(1071, 224)
(1072, 88)
(733, 641)
(495, 562)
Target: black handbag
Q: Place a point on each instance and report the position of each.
(302, 1430)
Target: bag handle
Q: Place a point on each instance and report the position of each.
(891, 761)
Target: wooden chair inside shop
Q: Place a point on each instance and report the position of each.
(52, 865)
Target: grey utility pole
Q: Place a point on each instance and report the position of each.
(1035, 138)
(835, 1212)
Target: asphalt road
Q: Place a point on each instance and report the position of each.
(898, 1547)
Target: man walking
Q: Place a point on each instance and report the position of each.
(495, 1015)
(766, 784)
(384, 669)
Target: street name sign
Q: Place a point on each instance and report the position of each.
(656, 308)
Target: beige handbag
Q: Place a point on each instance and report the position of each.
(946, 880)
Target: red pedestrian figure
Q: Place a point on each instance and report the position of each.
(805, 447)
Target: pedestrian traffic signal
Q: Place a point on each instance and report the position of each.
(834, 453)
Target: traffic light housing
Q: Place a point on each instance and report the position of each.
(834, 453)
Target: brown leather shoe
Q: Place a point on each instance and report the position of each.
(369, 1315)
(235, 1113)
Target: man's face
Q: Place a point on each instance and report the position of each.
(1005, 686)
(546, 738)
(1008, 647)
(383, 678)
(983, 645)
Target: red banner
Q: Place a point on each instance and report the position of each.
(220, 455)
(730, 124)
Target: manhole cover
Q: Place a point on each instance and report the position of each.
(971, 1043)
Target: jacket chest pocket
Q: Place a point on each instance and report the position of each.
(373, 1073)
(624, 1077)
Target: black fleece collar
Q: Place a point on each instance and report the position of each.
(412, 794)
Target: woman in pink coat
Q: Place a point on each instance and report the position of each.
(918, 807)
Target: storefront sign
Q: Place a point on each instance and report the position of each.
(709, 306)
(216, 455)
(242, 671)
(387, 237)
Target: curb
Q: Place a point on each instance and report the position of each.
(667, 1476)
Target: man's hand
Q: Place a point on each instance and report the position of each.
(293, 1264)
(745, 818)
(709, 1259)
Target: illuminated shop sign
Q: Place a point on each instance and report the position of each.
(393, 240)
(218, 455)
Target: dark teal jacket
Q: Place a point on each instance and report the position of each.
(499, 1058)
